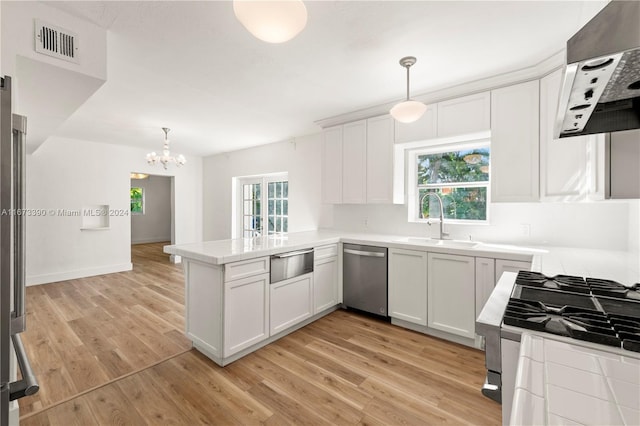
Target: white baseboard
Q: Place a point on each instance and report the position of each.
(78, 273)
(151, 240)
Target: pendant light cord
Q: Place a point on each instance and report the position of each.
(408, 66)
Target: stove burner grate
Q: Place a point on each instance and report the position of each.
(628, 329)
(602, 287)
(558, 282)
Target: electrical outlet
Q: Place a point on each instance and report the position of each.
(525, 230)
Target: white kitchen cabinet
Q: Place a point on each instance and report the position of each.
(422, 129)
(515, 143)
(485, 281)
(246, 268)
(510, 266)
(332, 165)
(568, 166)
(468, 114)
(380, 160)
(291, 301)
(408, 285)
(354, 162)
(451, 294)
(325, 283)
(246, 312)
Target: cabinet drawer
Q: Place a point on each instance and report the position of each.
(325, 251)
(246, 268)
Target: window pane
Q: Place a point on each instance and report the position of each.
(271, 207)
(256, 206)
(278, 207)
(256, 223)
(256, 191)
(271, 225)
(272, 189)
(285, 207)
(285, 189)
(278, 224)
(458, 203)
(285, 224)
(470, 165)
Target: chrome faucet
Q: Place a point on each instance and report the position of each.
(442, 233)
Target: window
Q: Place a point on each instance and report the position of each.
(251, 201)
(137, 201)
(459, 175)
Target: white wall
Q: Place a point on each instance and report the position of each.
(634, 226)
(603, 224)
(69, 174)
(155, 224)
(300, 158)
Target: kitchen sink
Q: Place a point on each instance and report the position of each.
(439, 243)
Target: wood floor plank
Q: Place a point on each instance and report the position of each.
(111, 350)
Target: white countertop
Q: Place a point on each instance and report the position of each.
(561, 383)
(226, 251)
(620, 266)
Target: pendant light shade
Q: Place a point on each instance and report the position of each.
(272, 21)
(408, 111)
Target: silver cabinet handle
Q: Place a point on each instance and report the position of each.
(364, 253)
(292, 253)
(19, 234)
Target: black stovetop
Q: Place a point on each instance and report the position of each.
(594, 310)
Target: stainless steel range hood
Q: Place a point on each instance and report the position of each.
(601, 87)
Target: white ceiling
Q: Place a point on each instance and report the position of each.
(191, 66)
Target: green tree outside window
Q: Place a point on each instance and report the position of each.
(137, 201)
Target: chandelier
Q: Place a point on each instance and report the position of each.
(408, 111)
(166, 157)
(272, 21)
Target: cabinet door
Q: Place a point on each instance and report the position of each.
(354, 162)
(485, 281)
(510, 266)
(246, 313)
(563, 163)
(380, 160)
(332, 166)
(515, 142)
(325, 284)
(420, 130)
(451, 294)
(408, 285)
(469, 114)
(291, 302)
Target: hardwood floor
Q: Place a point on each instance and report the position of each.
(341, 369)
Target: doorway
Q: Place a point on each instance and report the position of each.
(152, 209)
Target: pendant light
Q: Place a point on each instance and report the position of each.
(408, 111)
(272, 21)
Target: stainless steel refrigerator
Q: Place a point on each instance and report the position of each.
(12, 258)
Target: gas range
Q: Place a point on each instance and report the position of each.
(597, 313)
(594, 310)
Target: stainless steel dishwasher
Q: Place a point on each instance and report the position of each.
(365, 278)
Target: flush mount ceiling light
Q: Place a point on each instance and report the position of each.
(166, 157)
(139, 175)
(408, 111)
(272, 21)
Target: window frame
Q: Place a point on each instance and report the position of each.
(413, 188)
(142, 192)
(238, 202)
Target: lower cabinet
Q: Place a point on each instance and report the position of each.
(408, 285)
(510, 266)
(325, 284)
(246, 313)
(291, 302)
(485, 281)
(451, 294)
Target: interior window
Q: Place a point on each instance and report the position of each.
(137, 201)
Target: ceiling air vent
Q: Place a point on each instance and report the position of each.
(55, 41)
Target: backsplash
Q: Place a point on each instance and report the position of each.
(611, 225)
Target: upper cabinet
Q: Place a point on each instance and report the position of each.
(568, 166)
(459, 116)
(515, 142)
(380, 160)
(468, 114)
(422, 129)
(332, 166)
(357, 162)
(354, 162)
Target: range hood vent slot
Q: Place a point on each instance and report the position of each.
(55, 41)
